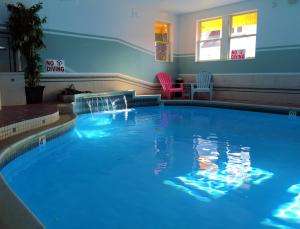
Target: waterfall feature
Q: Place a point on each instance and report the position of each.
(107, 106)
(126, 107)
(125, 102)
(89, 103)
(97, 104)
(112, 104)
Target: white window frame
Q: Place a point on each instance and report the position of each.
(225, 38)
(198, 38)
(241, 36)
(169, 42)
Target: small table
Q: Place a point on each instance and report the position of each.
(177, 85)
(187, 90)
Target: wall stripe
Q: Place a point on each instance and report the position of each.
(260, 90)
(259, 49)
(278, 48)
(185, 55)
(150, 52)
(83, 54)
(278, 59)
(247, 74)
(96, 37)
(92, 53)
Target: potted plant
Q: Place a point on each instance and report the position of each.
(68, 94)
(25, 27)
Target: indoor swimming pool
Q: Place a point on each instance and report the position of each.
(165, 167)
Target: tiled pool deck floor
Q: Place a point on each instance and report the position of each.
(14, 114)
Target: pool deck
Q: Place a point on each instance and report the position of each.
(14, 114)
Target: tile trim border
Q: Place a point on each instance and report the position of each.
(20, 210)
(234, 106)
(27, 125)
(18, 148)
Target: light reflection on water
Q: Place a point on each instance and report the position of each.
(97, 125)
(163, 151)
(274, 224)
(218, 167)
(214, 176)
(288, 212)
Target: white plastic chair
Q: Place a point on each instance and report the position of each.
(204, 83)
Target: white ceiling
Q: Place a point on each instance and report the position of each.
(184, 6)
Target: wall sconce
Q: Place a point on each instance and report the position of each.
(2, 48)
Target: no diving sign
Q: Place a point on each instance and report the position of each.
(55, 65)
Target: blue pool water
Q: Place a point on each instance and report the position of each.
(166, 167)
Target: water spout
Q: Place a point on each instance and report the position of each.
(107, 105)
(89, 103)
(97, 104)
(113, 104)
(125, 102)
(102, 103)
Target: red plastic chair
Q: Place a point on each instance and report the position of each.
(165, 81)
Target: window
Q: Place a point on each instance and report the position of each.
(230, 37)
(243, 36)
(162, 41)
(209, 44)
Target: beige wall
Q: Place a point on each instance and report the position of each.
(95, 82)
(273, 88)
(13, 93)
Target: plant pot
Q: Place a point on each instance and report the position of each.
(66, 98)
(34, 95)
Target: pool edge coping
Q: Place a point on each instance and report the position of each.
(275, 109)
(12, 207)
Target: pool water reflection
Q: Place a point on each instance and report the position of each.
(215, 177)
(165, 167)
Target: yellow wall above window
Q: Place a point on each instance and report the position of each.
(161, 27)
(211, 25)
(244, 20)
